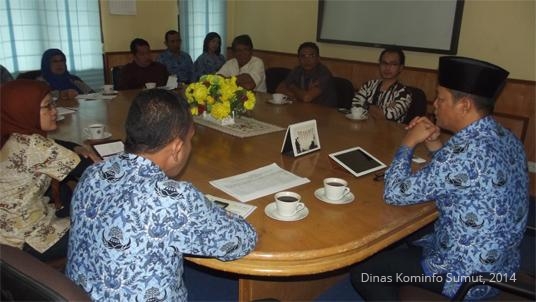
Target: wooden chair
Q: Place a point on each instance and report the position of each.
(345, 92)
(25, 278)
(274, 76)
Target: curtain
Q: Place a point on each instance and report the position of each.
(199, 17)
(29, 27)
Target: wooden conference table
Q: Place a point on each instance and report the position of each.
(292, 259)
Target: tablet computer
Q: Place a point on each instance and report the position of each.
(357, 161)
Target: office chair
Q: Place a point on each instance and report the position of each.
(25, 278)
(345, 92)
(418, 104)
(29, 75)
(274, 76)
(523, 289)
(116, 72)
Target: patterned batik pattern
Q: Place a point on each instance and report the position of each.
(181, 66)
(27, 165)
(131, 225)
(479, 181)
(394, 102)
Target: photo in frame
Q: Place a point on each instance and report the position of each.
(301, 138)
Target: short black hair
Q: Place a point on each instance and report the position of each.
(397, 50)
(208, 38)
(311, 45)
(242, 40)
(170, 32)
(155, 118)
(138, 42)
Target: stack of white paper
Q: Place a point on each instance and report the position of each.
(258, 183)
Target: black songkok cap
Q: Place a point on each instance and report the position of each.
(471, 76)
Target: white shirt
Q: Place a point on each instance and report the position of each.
(255, 68)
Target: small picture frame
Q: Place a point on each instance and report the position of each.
(301, 138)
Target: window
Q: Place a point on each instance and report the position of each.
(199, 17)
(29, 27)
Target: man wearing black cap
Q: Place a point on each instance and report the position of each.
(478, 179)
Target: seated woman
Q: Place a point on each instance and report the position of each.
(54, 72)
(211, 60)
(29, 162)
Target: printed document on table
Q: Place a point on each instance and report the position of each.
(259, 182)
(236, 207)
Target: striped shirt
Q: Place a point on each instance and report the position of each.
(394, 102)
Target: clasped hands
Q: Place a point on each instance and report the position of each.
(421, 129)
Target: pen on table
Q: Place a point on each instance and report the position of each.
(379, 176)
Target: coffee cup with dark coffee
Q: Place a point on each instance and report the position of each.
(335, 188)
(288, 203)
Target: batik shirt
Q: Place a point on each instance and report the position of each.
(181, 66)
(207, 64)
(320, 76)
(131, 225)
(27, 165)
(394, 102)
(479, 181)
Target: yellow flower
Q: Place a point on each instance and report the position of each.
(200, 93)
(220, 110)
(194, 110)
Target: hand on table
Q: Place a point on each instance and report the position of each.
(68, 94)
(85, 153)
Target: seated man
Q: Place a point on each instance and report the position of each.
(132, 221)
(142, 69)
(177, 62)
(309, 82)
(249, 70)
(389, 98)
(478, 180)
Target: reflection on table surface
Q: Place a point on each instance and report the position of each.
(331, 236)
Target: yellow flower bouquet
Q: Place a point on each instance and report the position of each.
(218, 97)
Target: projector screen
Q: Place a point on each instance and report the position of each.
(426, 26)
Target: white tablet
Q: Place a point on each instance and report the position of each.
(357, 161)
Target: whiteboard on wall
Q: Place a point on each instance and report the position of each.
(428, 26)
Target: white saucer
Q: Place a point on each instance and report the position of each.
(319, 193)
(271, 211)
(279, 102)
(60, 118)
(106, 135)
(114, 92)
(351, 117)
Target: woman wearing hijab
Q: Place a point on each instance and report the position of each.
(54, 72)
(211, 59)
(29, 161)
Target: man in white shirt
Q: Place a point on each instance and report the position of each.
(249, 70)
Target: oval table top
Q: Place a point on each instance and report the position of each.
(331, 236)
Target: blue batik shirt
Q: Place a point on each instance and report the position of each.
(131, 225)
(207, 64)
(479, 181)
(181, 66)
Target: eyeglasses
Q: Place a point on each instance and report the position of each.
(308, 55)
(50, 106)
(389, 64)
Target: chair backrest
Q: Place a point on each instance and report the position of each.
(29, 75)
(418, 104)
(116, 72)
(274, 76)
(25, 278)
(345, 92)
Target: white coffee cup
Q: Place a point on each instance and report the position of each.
(150, 85)
(359, 112)
(95, 131)
(279, 97)
(335, 188)
(288, 203)
(109, 89)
